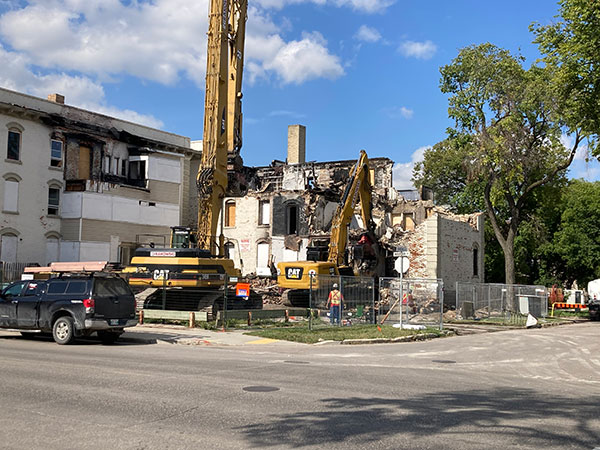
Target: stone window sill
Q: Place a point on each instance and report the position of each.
(58, 169)
(13, 161)
(16, 213)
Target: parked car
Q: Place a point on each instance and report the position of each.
(69, 306)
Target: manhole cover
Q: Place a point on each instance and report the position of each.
(260, 388)
(296, 362)
(443, 361)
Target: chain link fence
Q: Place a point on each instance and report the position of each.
(500, 301)
(411, 301)
(357, 300)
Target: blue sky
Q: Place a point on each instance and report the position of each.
(359, 74)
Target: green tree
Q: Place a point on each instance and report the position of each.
(574, 252)
(508, 130)
(571, 50)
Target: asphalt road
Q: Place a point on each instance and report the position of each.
(519, 389)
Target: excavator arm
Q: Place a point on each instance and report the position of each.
(359, 188)
(222, 114)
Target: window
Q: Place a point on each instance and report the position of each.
(106, 168)
(264, 212)
(230, 213)
(137, 170)
(116, 165)
(56, 152)
(409, 222)
(14, 145)
(57, 287)
(15, 291)
(124, 168)
(229, 250)
(475, 262)
(262, 259)
(8, 247)
(11, 196)
(77, 287)
(53, 201)
(292, 219)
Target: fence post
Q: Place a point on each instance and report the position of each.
(225, 303)
(441, 304)
(310, 312)
(456, 297)
(192, 319)
(287, 316)
(373, 298)
(141, 316)
(249, 318)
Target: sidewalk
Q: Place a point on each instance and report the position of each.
(173, 334)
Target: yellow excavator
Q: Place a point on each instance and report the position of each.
(295, 277)
(194, 267)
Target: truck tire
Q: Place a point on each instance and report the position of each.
(63, 330)
(108, 337)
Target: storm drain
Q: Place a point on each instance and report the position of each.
(443, 361)
(260, 388)
(297, 362)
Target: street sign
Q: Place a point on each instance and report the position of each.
(402, 264)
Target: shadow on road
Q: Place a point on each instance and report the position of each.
(93, 340)
(504, 415)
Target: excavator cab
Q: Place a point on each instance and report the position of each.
(182, 237)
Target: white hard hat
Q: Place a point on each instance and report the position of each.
(335, 286)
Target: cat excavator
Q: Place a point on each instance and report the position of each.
(193, 268)
(295, 277)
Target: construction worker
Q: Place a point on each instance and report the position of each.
(335, 303)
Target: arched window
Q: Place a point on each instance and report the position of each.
(54, 188)
(230, 250)
(8, 245)
(262, 259)
(13, 150)
(52, 247)
(11, 193)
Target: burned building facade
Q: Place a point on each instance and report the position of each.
(79, 185)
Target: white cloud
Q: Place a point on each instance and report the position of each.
(367, 34)
(161, 41)
(80, 91)
(419, 50)
(367, 6)
(399, 112)
(298, 61)
(402, 172)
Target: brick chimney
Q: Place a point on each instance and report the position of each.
(57, 98)
(296, 144)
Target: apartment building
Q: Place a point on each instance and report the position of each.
(78, 185)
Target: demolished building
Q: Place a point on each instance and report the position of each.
(288, 206)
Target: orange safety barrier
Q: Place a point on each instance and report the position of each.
(569, 306)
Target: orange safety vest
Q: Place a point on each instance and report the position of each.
(335, 297)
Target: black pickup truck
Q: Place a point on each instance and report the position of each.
(69, 307)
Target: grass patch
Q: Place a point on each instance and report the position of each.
(306, 336)
(575, 314)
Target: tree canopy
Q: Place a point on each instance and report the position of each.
(506, 141)
(571, 50)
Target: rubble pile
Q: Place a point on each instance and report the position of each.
(267, 288)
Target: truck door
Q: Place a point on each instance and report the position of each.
(28, 304)
(8, 304)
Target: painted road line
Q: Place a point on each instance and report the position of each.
(262, 341)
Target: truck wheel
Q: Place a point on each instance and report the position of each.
(108, 337)
(63, 330)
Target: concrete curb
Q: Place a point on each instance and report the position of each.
(411, 338)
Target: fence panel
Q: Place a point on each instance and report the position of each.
(11, 271)
(499, 301)
(411, 301)
(358, 300)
